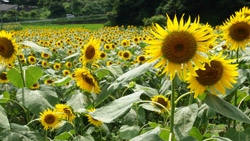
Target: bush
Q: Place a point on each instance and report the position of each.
(160, 19)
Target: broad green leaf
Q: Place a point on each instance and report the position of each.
(150, 107)
(101, 73)
(66, 127)
(238, 136)
(189, 138)
(15, 77)
(5, 95)
(116, 70)
(85, 137)
(4, 119)
(77, 101)
(36, 47)
(130, 118)
(184, 119)
(148, 90)
(20, 133)
(221, 138)
(103, 94)
(116, 108)
(196, 133)
(165, 133)
(62, 81)
(152, 135)
(64, 136)
(128, 132)
(71, 56)
(223, 107)
(38, 100)
(130, 75)
(32, 75)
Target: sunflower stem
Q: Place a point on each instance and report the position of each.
(180, 97)
(46, 135)
(191, 99)
(172, 109)
(235, 92)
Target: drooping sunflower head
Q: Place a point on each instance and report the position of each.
(86, 81)
(32, 60)
(66, 112)
(50, 119)
(57, 66)
(161, 100)
(91, 51)
(93, 121)
(236, 31)
(35, 86)
(45, 55)
(178, 45)
(126, 55)
(218, 74)
(8, 48)
(3, 77)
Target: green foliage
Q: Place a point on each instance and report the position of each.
(57, 10)
(159, 19)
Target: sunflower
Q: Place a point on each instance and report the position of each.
(178, 46)
(35, 86)
(93, 121)
(112, 46)
(124, 43)
(57, 66)
(45, 64)
(161, 100)
(21, 56)
(23, 61)
(103, 55)
(3, 77)
(120, 53)
(236, 31)
(49, 81)
(126, 55)
(69, 51)
(68, 64)
(91, 51)
(66, 112)
(106, 46)
(45, 55)
(86, 81)
(141, 59)
(53, 49)
(109, 63)
(136, 40)
(96, 66)
(32, 60)
(50, 119)
(219, 74)
(8, 48)
(66, 72)
(73, 75)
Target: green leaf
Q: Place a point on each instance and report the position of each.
(77, 101)
(184, 119)
(165, 133)
(32, 75)
(221, 138)
(85, 137)
(149, 136)
(38, 100)
(5, 95)
(148, 90)
(71, 56)
(189, 138)
(223, 107)
(66, 127)
(128, 132)
(103, 94)
(4, 119)
(116, 108)
(116, 70)
(65, 135)
(150, 107)
(15, 77)
(20, 133)
(196, 133)
(36, 47)
(62, 81)
(238, 136)
(101, 73)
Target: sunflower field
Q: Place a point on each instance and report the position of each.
(186, 81)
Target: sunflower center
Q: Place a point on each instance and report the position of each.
(3, 76)
(50, 119)
(90, 52)
(67, 111)
(179, 47)
(6, 47)
(211, 75)
(240, 31)
(162, 102)
(32, 59)
(142, 58)
(46, 55)
(125, 55)
(88, 80)
(103, 55)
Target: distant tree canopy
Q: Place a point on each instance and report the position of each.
(56, 10)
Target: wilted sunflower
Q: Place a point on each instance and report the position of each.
(236, 31)
(3, 77)
(219, 74)
(8, 48)
(57, 66)
(93, 121)
(50, 119)
(32, 60)
(45, 64)
(91, 51)
(126, 55)
(68, 64)
(141, 59)
(102, 55)
(161, 100)
(178, 45)
(86, 81)
(45, 55)
(35, 86)
(66, 112)
(66, 72)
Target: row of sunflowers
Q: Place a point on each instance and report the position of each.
(131, 83)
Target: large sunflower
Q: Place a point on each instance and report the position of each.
(91, 51)
(86, 81)
(178, 45)
(219, 74)
(50, 119)
(66, 112)
(161, 100)
(93, 121)
(236, 31)
(8, 48)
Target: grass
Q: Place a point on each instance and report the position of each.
(57, 26)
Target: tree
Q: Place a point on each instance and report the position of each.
(57, 10)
